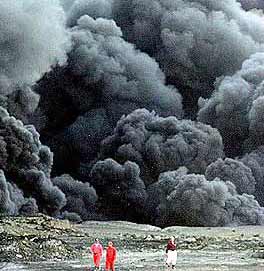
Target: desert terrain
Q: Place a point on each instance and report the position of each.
(42, 243)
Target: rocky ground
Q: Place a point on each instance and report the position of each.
(43, 243)
(36, 239)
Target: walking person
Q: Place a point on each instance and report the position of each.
(171, 252)
(97, 251)
(110, 257)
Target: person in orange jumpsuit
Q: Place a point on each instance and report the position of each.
(110, 257)
(97, 251)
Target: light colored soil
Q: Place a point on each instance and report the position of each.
(141, 247)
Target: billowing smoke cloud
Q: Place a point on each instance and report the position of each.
(33, 38)
(25, 184)
(79, 70)
(81, 197)
(106, 77)
(188, 38)
(193, 200)
(7, 206)
(120, 185)
(111, 73)
(230, 170)
(130, 78)
(159, 144)
(27, 163)
(235, 107)
(158, 191)
(12, 200)
(93, 8)
(255, 161)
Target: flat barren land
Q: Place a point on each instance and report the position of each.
(42, 243)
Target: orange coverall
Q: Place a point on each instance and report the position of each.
(97, 250)
(110, 258)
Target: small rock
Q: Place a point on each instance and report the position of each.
(190, 240)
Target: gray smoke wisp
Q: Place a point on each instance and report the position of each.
(33, 38)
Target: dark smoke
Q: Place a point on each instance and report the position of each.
(235, 107)
(25, 184)
(190, 38)
(26, 166)
(193, 200)
(120, 185)
(233, 171)
(252, 4)
(255, 161)
(32, 39)
(143, 110)
(7, 206)
(81, 197)
(106, 77)
(159, 144)
(185, 32)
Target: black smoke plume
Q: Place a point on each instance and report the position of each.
(106, 77)
(143, 110)
(120, 185)
(193, 200)
(188, 38)
(235, 107)
(160, 144)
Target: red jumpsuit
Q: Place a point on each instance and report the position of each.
(97, 251)
(110, 258)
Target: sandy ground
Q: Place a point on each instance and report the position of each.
(191, 261)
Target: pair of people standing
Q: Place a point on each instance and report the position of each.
(97, 251)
